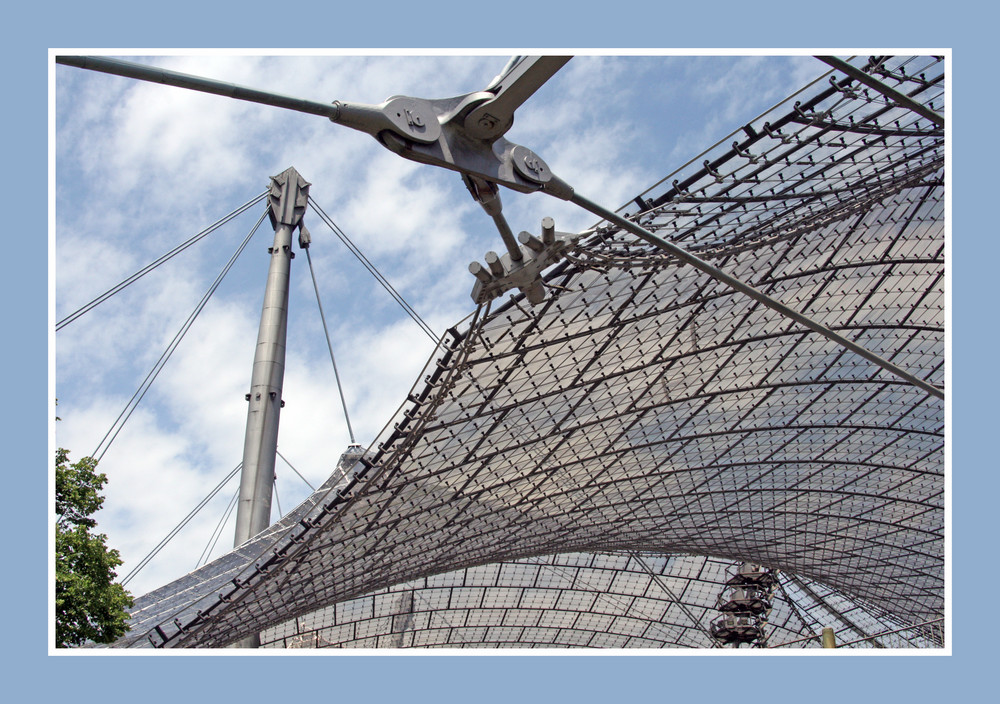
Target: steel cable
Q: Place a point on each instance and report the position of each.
(154, 264)
(217, 533)
(295, 470)
(161, 362)
(329, 346)
(177, 529)
(374, 271)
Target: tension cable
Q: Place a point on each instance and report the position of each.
(217, 533)
(329, 346)
(152, 265)
(179, 526)
(126, 413)
(375, 272)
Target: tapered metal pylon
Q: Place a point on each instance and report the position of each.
(287, 202)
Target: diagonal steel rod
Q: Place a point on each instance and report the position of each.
(753, 293)
(836, 613)
(662, 585)
(875, 84)
(204, 85)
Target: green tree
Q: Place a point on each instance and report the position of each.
(89, 605)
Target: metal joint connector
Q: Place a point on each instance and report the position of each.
(503, 273)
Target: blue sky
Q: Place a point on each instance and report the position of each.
(142, 167)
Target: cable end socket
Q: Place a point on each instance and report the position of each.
(504, 273)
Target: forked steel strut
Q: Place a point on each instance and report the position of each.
(465, 134)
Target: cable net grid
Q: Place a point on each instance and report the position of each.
(592, 601)
(646, 407)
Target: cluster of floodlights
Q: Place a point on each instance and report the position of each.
(746, 607)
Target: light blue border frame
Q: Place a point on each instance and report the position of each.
(182, 23)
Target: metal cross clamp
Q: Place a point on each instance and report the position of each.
(465, 133)
(502, 273)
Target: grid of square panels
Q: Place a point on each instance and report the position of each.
(610, 600)
(646, 407)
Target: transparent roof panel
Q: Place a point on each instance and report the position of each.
(586, 471)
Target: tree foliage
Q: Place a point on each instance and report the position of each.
(89, 605)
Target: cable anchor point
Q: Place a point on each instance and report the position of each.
(535, 254)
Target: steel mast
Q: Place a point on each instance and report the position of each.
(286, 202)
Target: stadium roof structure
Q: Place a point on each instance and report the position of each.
(588, 600)
(585, 471)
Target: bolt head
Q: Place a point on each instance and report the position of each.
(530, 165)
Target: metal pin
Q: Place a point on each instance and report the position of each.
(479, 271)
(533, 243)
(548, 231)
(493, 261)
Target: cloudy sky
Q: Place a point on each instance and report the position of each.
(141, 168)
